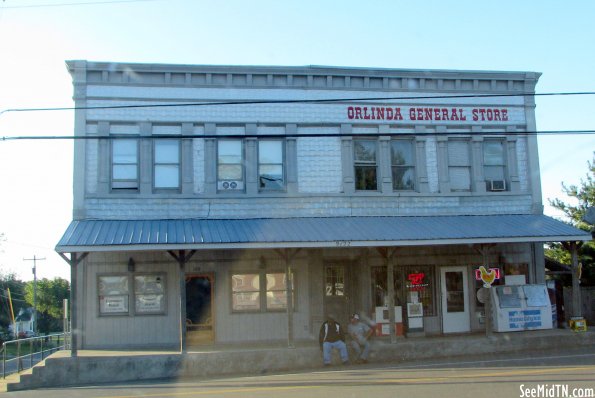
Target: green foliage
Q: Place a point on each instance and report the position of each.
(583, 197)
(50, 297)
(17, 292)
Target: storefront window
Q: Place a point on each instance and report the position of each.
(419, 286)
(245, 290)
(277, 291)
(379, 286)
(149, 294)
(249, 291)
(479, 283)
(113, 295)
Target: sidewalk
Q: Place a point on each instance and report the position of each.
(96, 367)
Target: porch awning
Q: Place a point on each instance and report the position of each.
(197, 234)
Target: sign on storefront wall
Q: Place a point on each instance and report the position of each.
(441, 114)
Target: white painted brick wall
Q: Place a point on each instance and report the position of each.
(523, 163)
(198, 150)
(91, 147)
(432, 164)
(91, 157)
(253, 113)
(319, 165)
(315, 206)
(245, 94)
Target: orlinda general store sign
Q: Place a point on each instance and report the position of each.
(428, 114)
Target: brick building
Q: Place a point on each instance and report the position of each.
(226, 204)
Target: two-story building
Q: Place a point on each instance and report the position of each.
(224, 204)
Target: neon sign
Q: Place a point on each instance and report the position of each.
(417, 281)
(487, 276)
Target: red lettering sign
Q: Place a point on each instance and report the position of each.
(427, 114)
(416, 279)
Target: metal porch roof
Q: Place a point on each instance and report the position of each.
(196, 234)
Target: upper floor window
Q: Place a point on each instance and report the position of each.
(230, 165)
(124, 164)
(166, 171)
(494, 165)
(271, 173)
(365, 163)
(402, 163)
(459, 165)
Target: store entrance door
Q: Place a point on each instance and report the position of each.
(199, 310)
(455, 300)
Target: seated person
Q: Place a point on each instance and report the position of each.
(360, 333)
(332, 336)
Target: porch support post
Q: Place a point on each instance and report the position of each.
(484, 250)
(388, 255)
(73, 261)
(182, 258)
(288, 255)
(573, 247)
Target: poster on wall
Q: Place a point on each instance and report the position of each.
(113, 294)
(113, 304)
(149, 293)
(149, 303)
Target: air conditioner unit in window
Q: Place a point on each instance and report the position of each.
(230, 185)
(496, 185)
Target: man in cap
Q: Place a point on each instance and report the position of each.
(332, 336)
(360, 333)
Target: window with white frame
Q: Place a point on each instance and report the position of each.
(271, 173)
(124, 164)
(245, 292)
(459, 165)
(494, 165)
(260, 291)
(402, 164)
(230, 165)
(166, 167)
(365, 165)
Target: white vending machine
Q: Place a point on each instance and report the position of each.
(520, 307)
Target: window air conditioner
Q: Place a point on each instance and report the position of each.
(230, 185)
(496, 185)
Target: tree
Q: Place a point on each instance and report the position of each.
(583, 195)
(17, 292)
(50, 296)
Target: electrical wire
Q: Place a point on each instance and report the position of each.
(296, 101)
(240, 136)
(73, 4)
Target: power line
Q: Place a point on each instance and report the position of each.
(73, 4)
(295, 101)
(304, 135)
(13, 299)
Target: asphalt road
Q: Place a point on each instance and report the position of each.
(541, 374)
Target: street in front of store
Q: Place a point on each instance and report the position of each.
(561, 372)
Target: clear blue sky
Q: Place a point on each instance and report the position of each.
(552, 37)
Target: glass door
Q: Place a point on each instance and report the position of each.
(455, 300)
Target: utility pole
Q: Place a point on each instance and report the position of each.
(35, 260)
